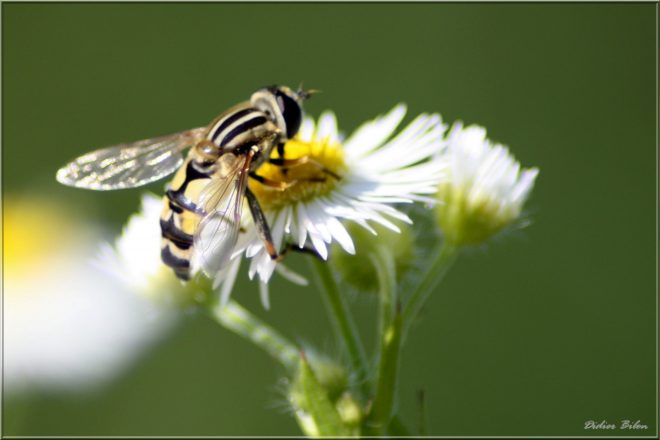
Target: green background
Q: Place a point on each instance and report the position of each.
(532, 335)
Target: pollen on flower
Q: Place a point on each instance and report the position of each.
(323, 162)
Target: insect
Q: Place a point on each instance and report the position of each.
(203, 203)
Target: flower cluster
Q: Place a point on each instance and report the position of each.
(336, 194)
(476, 186)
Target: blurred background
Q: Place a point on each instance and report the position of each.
(533, 335)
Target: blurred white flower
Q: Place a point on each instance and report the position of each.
(359, 179)
(134, 261)
(486, 189)
(67, 325)
(135, 258)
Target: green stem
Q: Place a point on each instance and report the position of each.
(341, 320)
(240, 321)
(397, 428)
(388, 343)
(422, 420)
(388, 367)
(434, 274)
(383, 262)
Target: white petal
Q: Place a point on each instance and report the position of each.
(306, 131)
(289, 219)
(524, 185)
(291, 275)
(263, 293)
(302, 222)
(318, 220)
(229, 281)
(266, 268)
(373, 133)
(319, 245)
(341, 235)
(327, 128)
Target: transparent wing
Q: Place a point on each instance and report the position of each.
(129, 165)
(222, 203)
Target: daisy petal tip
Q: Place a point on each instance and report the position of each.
(265, 295)
(291, 275)
(224, 300)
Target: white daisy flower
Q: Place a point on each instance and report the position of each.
(67, 326)
(486, 189)
(358, 179)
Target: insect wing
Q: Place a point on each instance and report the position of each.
(129, 165)
(222, 203)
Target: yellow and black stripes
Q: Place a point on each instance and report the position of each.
(244, 126)
(180, 218)
(271, 117)
(175, 235)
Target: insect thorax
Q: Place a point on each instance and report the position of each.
(241, 127)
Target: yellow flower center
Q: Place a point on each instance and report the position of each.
(314, 169)
(36, 233)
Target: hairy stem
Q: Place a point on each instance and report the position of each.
(383, 262)
(243, 323)
(341, 320)
(389, 344)
(434, 274)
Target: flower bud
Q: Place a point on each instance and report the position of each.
(359, 270)
(318, 388)
(350, 411)
(486, 188)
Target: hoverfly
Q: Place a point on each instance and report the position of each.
(203, 203)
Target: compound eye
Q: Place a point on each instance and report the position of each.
(292, 113)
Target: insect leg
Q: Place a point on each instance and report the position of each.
(280, 151)
(293, 248)
(261, 223)
(282, 186)
(264, 232)
(275, 184)
(289, 163)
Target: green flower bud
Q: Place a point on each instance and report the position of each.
(359, 270)
(311, 395)
(349, 410)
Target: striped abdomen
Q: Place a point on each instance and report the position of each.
(179, 219)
